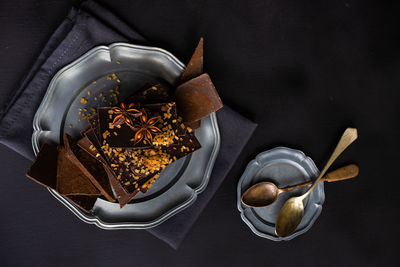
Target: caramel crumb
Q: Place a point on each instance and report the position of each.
(105, 135)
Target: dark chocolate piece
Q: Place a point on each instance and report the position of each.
(88, 146)
(118, 136)
(195, 66)
(197, 98)
(127, 174)
(124, 193)
(70, 179)
(85, 203)
(150, 95)
(194, 125)
(93, 136)
(92, 168)
(120, 165)
(124, 137)
(123, 197)
(187, 144)
(44, 169)
(44, 172)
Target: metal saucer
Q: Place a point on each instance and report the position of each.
(284, 167)
(135, 66)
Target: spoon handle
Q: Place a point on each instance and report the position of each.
(348, 137)
(343, 173)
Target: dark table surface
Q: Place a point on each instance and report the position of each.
(303, 70)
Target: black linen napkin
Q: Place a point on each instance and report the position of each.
(84, 28)
(77, 34)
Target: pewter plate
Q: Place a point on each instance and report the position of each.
(284, 167)
(179, 184)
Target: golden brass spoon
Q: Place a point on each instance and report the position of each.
(292, 211)
(264, 194)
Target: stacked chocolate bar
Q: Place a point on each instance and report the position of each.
(135, 153)
(125, 148)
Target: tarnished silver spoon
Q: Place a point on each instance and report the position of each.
(292, 211)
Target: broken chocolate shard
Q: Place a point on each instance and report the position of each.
(157, 93)
(44, 169)
(85, 203)
(197, 98)
(44, 172)
(194, 125)
(123, 197)
(90, 148)
(125, 192)
(92, 168)
(195, 66)
(70, 179)
(90, 143)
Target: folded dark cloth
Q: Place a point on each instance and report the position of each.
(84, 28)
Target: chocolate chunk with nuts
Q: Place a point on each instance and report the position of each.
(123, 197)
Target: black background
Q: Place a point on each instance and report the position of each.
(303, 70)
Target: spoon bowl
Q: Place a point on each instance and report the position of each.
(260, 195)
(292, 213)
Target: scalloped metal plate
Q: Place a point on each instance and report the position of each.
(284, 167)
(180, 183)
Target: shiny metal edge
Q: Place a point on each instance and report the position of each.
(117, 226)
(318, 205)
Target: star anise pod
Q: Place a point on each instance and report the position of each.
(147, 128)
(124, 114)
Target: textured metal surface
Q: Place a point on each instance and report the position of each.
(284, 167)
(179, 183)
